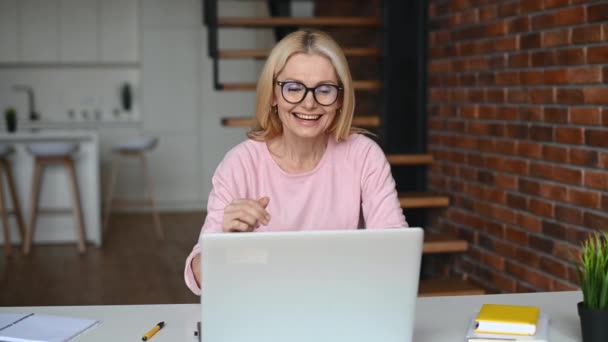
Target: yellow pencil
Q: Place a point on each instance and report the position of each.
(153, 331)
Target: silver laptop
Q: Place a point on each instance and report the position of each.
(334, 286)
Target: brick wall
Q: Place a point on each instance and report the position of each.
(518, 124)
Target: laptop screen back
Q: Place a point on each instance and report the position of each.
(349, 285)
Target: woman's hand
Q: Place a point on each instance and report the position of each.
(246, 215)
(195, 265)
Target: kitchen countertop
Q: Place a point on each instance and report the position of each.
(27, 135)
(27, 125)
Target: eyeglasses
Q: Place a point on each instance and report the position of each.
(295, 92)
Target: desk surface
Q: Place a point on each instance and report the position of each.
(438, 319)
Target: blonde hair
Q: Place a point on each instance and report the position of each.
(267, 123)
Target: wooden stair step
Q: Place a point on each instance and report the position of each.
(238, 122)
(299, 21)
(423, 200)
(443, 243)
(366, 121)
(367, 85)
(448, 287)
(263, 53)
(410, 159)
(360, 121)
(358, 85)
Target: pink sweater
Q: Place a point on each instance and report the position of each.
(351, 187)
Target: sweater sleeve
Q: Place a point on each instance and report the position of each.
(379, 200)
(223, 192)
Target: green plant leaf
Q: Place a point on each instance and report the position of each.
(593, 271)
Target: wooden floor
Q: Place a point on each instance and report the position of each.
(131, 268)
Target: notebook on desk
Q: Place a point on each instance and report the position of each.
(541, 336)
(349, 285)
(19, 327)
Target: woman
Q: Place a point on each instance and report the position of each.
(303, 167)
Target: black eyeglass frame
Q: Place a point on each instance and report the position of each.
(314, 94)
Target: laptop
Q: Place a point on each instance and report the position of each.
(310, 286)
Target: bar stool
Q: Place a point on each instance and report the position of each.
(54, 153)
(5, 168)
(134, 148)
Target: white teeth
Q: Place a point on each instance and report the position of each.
(307, 116)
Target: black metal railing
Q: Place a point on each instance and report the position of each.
(210, 19)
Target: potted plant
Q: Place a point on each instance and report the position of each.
(10, 119)
(593, 276)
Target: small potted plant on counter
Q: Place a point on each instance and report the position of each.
(10, 119)
(593, 276)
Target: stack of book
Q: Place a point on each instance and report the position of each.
(496, 322)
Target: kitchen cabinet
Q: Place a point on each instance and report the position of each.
(39, 30)
(78, 26)
(69, 31)
(9, 51)
(119, 25)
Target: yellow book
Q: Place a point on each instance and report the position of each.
(507, 319)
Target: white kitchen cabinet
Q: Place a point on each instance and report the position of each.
(39, 30)
(78, 27)
(119, 26)
(9, 49)
(175, 13)
(170, 65)
(69, 31)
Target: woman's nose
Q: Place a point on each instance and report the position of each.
(309, 100)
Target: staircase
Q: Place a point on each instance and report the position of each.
(411, 200)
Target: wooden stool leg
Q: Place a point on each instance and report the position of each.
(15, 199)
(110, 194)
(150, 189)
(35, 194)
(4, 213)
(76, 205)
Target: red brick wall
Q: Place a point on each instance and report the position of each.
(518, 124)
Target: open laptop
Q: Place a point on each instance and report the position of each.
(310, 286)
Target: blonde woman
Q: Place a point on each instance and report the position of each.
(303, 167)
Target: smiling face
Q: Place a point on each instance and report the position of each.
(307, 119)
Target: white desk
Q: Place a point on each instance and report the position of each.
(438, 319)
(56, 223)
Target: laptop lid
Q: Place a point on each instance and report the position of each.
(348, 285)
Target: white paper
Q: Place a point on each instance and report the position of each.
(7, 319)
(45, 328)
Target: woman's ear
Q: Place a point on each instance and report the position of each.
(273, 100)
